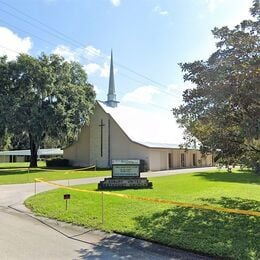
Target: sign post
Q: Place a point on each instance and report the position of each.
(34, 187)
(66, 197)
(102, 194)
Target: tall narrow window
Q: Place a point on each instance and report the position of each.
(182, 160)
(170, 166)
(194, 159)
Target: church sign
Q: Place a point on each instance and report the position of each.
(125, 174)
(125, 168)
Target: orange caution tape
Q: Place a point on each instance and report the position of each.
(176, 203)
(81, 169)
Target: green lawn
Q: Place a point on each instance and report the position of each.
(11, 173)
(219, 234)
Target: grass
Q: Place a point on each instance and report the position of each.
(218, 234)
(14, 173)
(20, 165)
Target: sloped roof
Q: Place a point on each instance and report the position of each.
(53, 151)
(155, 130)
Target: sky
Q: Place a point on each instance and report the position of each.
(148, 37)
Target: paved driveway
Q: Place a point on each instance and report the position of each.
(24, 236)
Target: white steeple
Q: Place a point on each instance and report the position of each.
(111, 96)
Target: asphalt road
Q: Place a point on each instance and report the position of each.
(24, 236)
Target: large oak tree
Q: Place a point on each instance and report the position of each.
(43, 98)
(223, 110)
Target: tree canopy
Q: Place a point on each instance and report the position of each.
(43, 98)
(223, 110)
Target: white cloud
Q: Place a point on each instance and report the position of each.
(172, 96)
(91, 52)
(97, 89)
(141, 95)
(163, 12)
(157, 99)
(174, 89)
(206, 47)
(238, 15)
(239, 12)
(212, 5)
(85, 56)
(104, 71)
(115, 2)
(66, 52)
(189, 85)
(157, 9)
(94, 68)
(11, 44)
(91, 68)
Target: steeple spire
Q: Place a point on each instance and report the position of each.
(111, 96)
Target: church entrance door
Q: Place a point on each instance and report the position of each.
(170, 166)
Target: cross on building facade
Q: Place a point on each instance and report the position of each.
(101, 137)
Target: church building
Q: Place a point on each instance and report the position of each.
(118, 132)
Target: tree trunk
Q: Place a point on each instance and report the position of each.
(257, 168)
(34, 150)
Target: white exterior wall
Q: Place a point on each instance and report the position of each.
(20, 158)
(95, 138)
(176, 159)
(156, 160)
(78, 153)
(159, 159)
(4, 158)
(87, 150)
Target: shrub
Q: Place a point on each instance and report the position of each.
(143, 166)
(58, 162)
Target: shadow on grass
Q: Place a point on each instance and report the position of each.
(219, 234)
(12, 167)
(239, 177)
(24, 170)
(70, 168)
(17, 171)
(235, 203)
